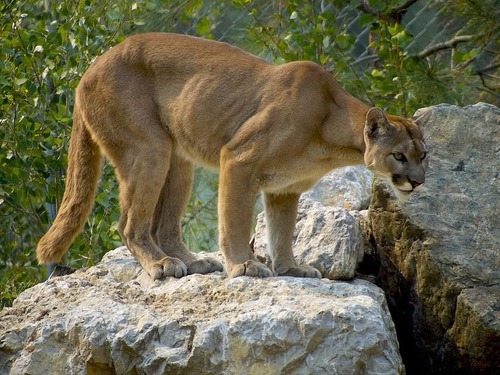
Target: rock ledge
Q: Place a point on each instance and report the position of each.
(112, 318)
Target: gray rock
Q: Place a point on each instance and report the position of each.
(112, 318)
(327, 238)
(348, 188)
(476, 326)
(441, 249)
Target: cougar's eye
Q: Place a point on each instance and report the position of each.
(399, 157)
(423, 156)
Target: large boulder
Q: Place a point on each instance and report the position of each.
(113, 319)
(330, 239)
(331, 224)
(348, 188)
(440, 251)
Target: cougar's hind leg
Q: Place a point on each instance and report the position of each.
(166, 227)
(141, 171)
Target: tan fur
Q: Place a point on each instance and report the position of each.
(157, 104)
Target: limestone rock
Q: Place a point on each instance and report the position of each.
(440, 251)
(476, 326)
(327, 238)
(113, 319)
(348, 188)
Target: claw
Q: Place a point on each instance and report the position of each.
(250, 268)
(168, 266)
(302, 270)
(204, 266)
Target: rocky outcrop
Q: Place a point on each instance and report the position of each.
(327, 238)
(113, 319)
(437, 257)
(440, 251)
(331, 221)
(348, 188)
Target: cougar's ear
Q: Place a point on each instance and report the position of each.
(421, 117)
(376, 123)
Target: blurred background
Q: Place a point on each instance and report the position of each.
(396, 55)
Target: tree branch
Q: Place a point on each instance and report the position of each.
(487, 68)
(488, 90)
(452, 43)
(365, 58)
(405, 6)
(395, 14)
(365, 7)
(398, 13)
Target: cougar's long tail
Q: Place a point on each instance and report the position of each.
(84, 169)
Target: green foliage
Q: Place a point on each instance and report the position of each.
(46, 46)
(44, 52)
(393, 77)
(200, 222)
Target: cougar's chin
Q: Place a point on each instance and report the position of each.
(402, 190)
(402, 195)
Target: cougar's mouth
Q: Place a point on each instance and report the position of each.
(401, 187)
(405, 188)
(402, 184)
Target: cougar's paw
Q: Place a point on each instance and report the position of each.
(168, 266)
(302, 270)
(250, 268)
(204, 265)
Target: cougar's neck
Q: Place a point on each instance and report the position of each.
(346, 123)
(356, 121)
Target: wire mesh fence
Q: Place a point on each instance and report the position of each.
(428, 22)
(47, 45)
(434, 33)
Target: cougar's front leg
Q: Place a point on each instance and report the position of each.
(237, 194)
(281, 213)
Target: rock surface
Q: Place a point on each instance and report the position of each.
(437, 258)
(440, 251)
(348, 188)
(327, 238)
(113, 319)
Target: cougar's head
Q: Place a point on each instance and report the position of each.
(395, 150)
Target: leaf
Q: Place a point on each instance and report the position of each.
(365, 19)
(20, 81)
(378, 4)
(115, 14)
(204, 26)
(326, 42)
